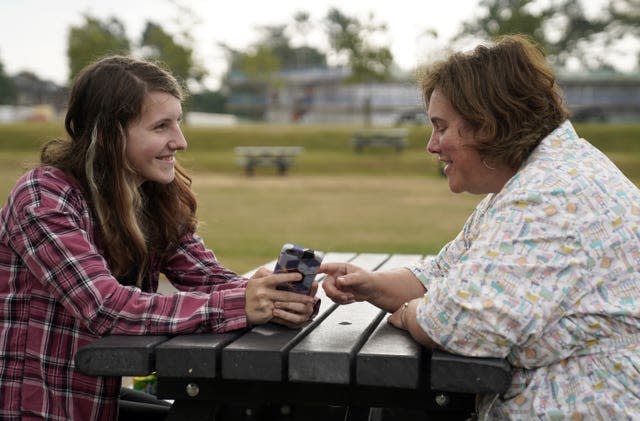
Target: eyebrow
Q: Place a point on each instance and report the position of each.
(437, 120)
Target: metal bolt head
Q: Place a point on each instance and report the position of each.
(192, 389)
(285, 410)
(442, 400)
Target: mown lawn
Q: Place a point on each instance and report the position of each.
(332, 199)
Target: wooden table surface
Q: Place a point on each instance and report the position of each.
(348, 355)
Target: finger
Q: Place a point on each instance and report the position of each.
(275, 279)
(262, 272)
(292, 307)
(314, 289)
(286, 323)
(337, 295)
(295, 297)
(288, 319)
(394, 320)
(352, 281)
(332, 268)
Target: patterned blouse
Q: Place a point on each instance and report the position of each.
(547, 274)
(57, 295)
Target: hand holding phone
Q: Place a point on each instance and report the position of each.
(294, 258)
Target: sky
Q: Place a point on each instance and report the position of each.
(33, 33)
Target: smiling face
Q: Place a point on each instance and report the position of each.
(452, 141)
(154, 139)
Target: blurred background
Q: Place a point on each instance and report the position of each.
(313, 74)
(311, 62)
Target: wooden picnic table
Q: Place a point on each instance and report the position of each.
(348, 356)
(280, 157)
(394, 138)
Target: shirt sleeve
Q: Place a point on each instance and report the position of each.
(50, 232)
(193, 267)
(506, 285)
(436, 268)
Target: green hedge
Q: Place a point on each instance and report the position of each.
(328, 148)
(25, 136)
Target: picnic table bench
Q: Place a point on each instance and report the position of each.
(347, 357)
(280, 157)
(394, 138)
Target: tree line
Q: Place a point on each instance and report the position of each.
(562, 27)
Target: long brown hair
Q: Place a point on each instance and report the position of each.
(506, 93)
(134, 221)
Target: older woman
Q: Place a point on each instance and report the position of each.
(546, 270)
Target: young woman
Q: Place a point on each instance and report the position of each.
(85, 236)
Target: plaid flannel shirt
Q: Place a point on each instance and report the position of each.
(57, 295)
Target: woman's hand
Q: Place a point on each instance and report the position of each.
(388, 289)
(401, 317)
(346, 283)
(265, 303)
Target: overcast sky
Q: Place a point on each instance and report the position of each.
(33, 33)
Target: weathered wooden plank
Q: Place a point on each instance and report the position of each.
(400, 260)
(389, 358)
(327, 354)
(261, 354)
(193, 356)
(457, 373)
(119, 356)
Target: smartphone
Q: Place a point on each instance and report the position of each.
(294, 258)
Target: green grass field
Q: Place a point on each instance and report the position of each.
(332, 199)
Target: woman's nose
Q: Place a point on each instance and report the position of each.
(432, 144)
(178, 142)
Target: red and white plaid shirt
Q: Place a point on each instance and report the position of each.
(57, 295)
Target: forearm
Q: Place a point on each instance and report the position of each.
(395, 287)
(410, 322)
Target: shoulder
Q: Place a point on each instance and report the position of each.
(563, 162)
(45, 187)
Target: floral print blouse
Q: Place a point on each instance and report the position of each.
(546, 273)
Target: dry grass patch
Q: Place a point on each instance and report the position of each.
(246, 220)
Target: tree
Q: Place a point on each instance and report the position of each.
(7, 87)
(625, 22)
(159, 45)
(276, 39)
(349, 37)
(625, 16)
(578, 36)
(507, 17)
(273, 53)
(259, 63)
(94, 39)
(208, 101)
(561, 27)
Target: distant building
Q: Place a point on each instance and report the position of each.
(316, 96)
(31, 90)
(36, 100)
(602, 96)
(319, 95)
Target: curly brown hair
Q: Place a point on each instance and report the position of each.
(134, 221)
(506, 93)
